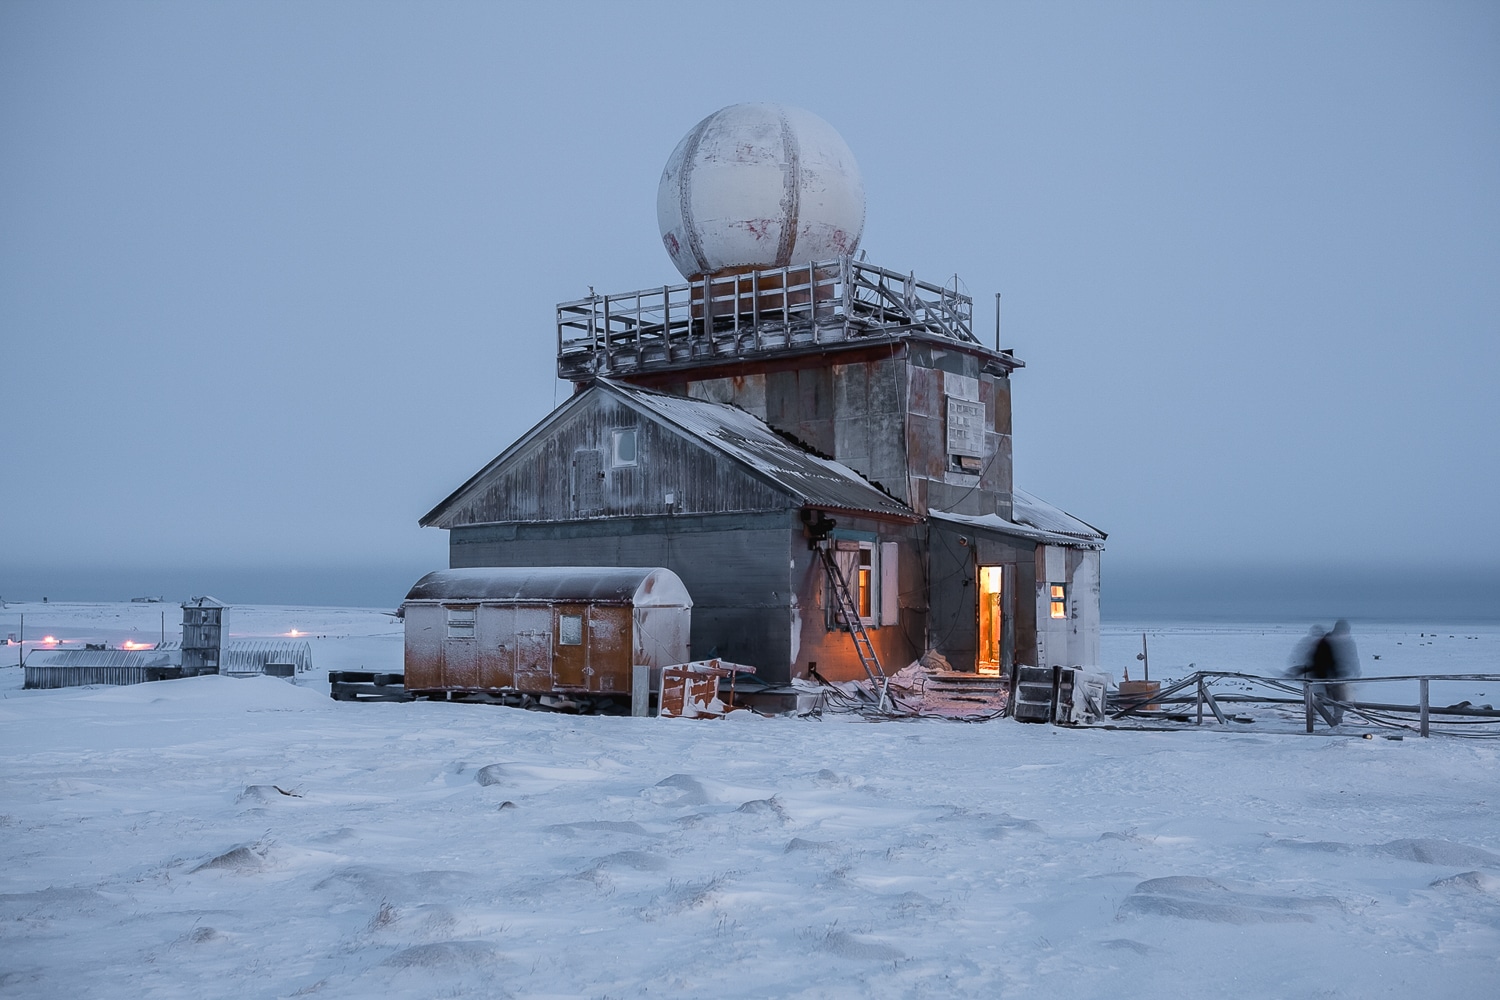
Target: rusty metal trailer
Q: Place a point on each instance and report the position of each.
(560, 636)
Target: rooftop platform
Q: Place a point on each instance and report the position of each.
(756, 314)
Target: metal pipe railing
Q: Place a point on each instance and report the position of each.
(832, 300)
(1312, 695)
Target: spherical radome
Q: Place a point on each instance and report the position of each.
(756, 186)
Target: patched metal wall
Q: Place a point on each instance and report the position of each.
(954, 555)
(884, 412)
(576, 471)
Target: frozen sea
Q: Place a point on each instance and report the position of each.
(254, 838)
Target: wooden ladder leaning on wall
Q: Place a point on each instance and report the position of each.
(848, 616)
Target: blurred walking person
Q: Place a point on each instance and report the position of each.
(1328, 656)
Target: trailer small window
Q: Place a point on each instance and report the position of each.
(570, 630)
(1059, 599)
(622, 451)
(460, 623)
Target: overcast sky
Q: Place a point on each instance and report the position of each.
(276, 278)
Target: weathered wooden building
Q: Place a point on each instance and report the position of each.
(736, 427)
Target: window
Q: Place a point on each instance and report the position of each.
(966, 464)
(863, 590)
(858, 564)
(622, 448)
(1058, 596)
(570, 630)
(460, 623)
(965, 435)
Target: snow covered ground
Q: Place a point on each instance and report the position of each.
(214, 837)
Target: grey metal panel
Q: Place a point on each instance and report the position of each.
(424, 629)
(661, 636)
(955, 551)
(781, 400)
(815, 409)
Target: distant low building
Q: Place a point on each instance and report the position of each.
(60, 668)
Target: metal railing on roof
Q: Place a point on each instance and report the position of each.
(754, 313)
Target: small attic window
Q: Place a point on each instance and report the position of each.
(622, 448)
(967, 464)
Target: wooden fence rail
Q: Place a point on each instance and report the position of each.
(1313, 696)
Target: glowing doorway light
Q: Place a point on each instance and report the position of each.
(49, 640)
(991, 620)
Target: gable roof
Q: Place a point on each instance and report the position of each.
(722, 427)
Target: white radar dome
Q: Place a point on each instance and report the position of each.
(757, 186)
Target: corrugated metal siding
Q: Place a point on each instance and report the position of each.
(1037, 513)
(60, 668)
(105, 658)
(250, 656)
(44, 677)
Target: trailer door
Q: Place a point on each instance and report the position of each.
(461, 649)
(534, 650)
(570, 659)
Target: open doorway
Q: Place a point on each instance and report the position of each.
(991, 619)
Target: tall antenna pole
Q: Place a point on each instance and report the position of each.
(21, 646)
(997, 322)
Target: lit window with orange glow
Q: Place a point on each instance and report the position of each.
(1059, 599)
(865, 594)
(857, 564)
